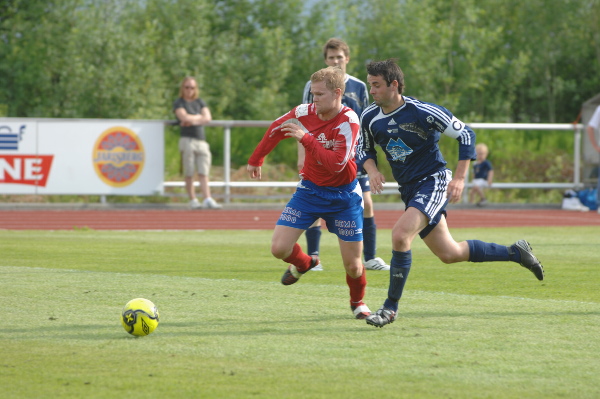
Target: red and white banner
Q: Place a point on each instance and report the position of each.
(97, 157)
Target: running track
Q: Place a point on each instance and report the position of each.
(261, 219)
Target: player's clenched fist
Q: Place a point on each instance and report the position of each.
(254, 172)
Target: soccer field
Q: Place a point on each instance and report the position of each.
(229, 329)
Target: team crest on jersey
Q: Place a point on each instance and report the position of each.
(398, 150)
(321, 138)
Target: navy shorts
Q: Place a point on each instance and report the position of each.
(363, 180)
(430, 196)
(340, 207)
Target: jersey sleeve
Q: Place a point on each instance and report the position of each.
(360, 98)
(466, 144)
(451, 126)
(364, 100)
(272, 137)
(365, 148)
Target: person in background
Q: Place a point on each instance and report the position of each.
(592, 126)
(328, 131)
(337, 53)
(408, 132)
(193, 113)
(483, 175)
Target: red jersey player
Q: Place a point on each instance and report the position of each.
(329, 190)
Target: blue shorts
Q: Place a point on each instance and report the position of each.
(430, 196)
(340, 207)
(363, 180)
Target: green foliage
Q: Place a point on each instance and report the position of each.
(234, 331)
(490, 61)
(486, 61)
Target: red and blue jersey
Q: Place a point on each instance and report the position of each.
(330, 146)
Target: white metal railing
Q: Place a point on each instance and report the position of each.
(390, 188)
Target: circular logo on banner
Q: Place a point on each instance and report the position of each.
(118, 157)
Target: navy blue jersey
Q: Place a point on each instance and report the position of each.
(482, 169)
(355, 96)
(409, 137)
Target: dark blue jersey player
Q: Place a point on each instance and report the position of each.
(408, 131)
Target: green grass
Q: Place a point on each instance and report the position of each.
(229, 329)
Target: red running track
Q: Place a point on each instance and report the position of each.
(175, 219)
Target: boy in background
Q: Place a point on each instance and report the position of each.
(483, 175)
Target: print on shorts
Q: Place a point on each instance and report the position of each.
(290, 215)
(347, 228)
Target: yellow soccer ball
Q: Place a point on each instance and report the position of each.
(139, 317)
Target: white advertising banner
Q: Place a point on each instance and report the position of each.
(94, 157)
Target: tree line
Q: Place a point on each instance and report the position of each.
(486, 60)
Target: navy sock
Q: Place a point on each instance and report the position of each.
(313, 239)
(399, 268)
(369, 238)
(480, 251)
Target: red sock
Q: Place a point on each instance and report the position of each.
(299, 259)
(357, 288)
